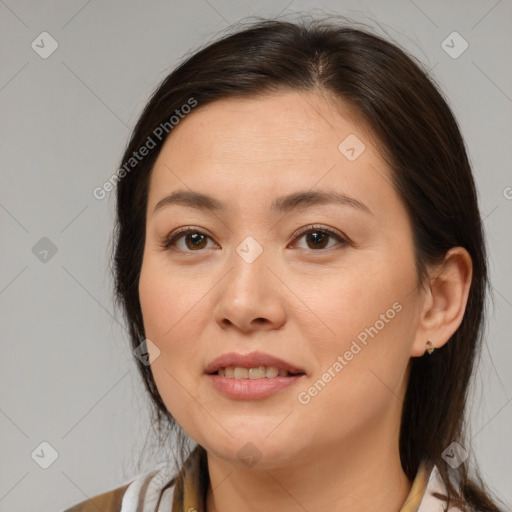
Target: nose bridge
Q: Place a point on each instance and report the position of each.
(250, 250)
(249, 273)
(249, 292)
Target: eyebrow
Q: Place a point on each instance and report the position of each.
(283, 204)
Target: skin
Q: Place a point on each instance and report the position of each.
(299, 300)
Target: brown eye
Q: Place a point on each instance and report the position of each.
(194, 240)
(318, 238)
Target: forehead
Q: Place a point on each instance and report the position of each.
(270, 143)
(285, 125)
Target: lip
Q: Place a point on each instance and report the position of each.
(251, 389)
(251, 360)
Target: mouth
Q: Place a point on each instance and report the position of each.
(259, 372)
(254, 383)
(254, 366)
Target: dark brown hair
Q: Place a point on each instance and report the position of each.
(394, 96)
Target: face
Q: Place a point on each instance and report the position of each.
(327, 285)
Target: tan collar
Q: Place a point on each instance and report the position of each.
(192, 485)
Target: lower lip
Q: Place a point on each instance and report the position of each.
(251, 389)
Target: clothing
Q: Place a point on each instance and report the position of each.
(187, 491)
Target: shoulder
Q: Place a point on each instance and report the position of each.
(109, 501)
(435, 491)
(135, 496)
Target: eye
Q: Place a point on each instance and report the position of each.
(317, 237)
(194, 240)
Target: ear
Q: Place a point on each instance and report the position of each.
(444, 302)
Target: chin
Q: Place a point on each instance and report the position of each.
(252, 451)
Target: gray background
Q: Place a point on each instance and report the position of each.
(66, 376)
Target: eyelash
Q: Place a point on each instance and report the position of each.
(170, 241)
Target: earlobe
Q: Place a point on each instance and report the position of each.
(430, 347)
(445, 302)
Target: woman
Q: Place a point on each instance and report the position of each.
(300, 259)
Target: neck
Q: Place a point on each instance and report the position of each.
(358, 475)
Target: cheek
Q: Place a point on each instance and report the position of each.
(155, 292)
(359, 299)
(173, 310)
(168, 300)
(366, 324)
(360, 371)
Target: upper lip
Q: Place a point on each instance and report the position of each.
(252, 360)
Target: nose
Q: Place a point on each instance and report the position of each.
(251, 296)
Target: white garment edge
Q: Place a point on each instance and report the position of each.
(429, 502)
(158, 478)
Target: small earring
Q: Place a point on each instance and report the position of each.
(430, 347)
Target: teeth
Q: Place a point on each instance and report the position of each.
(260, 372)
(256, 373)
(272, 371)
(241, 373)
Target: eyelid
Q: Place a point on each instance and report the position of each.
(169, 240)
(319, 227)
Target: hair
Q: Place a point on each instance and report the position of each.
(419, 138)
